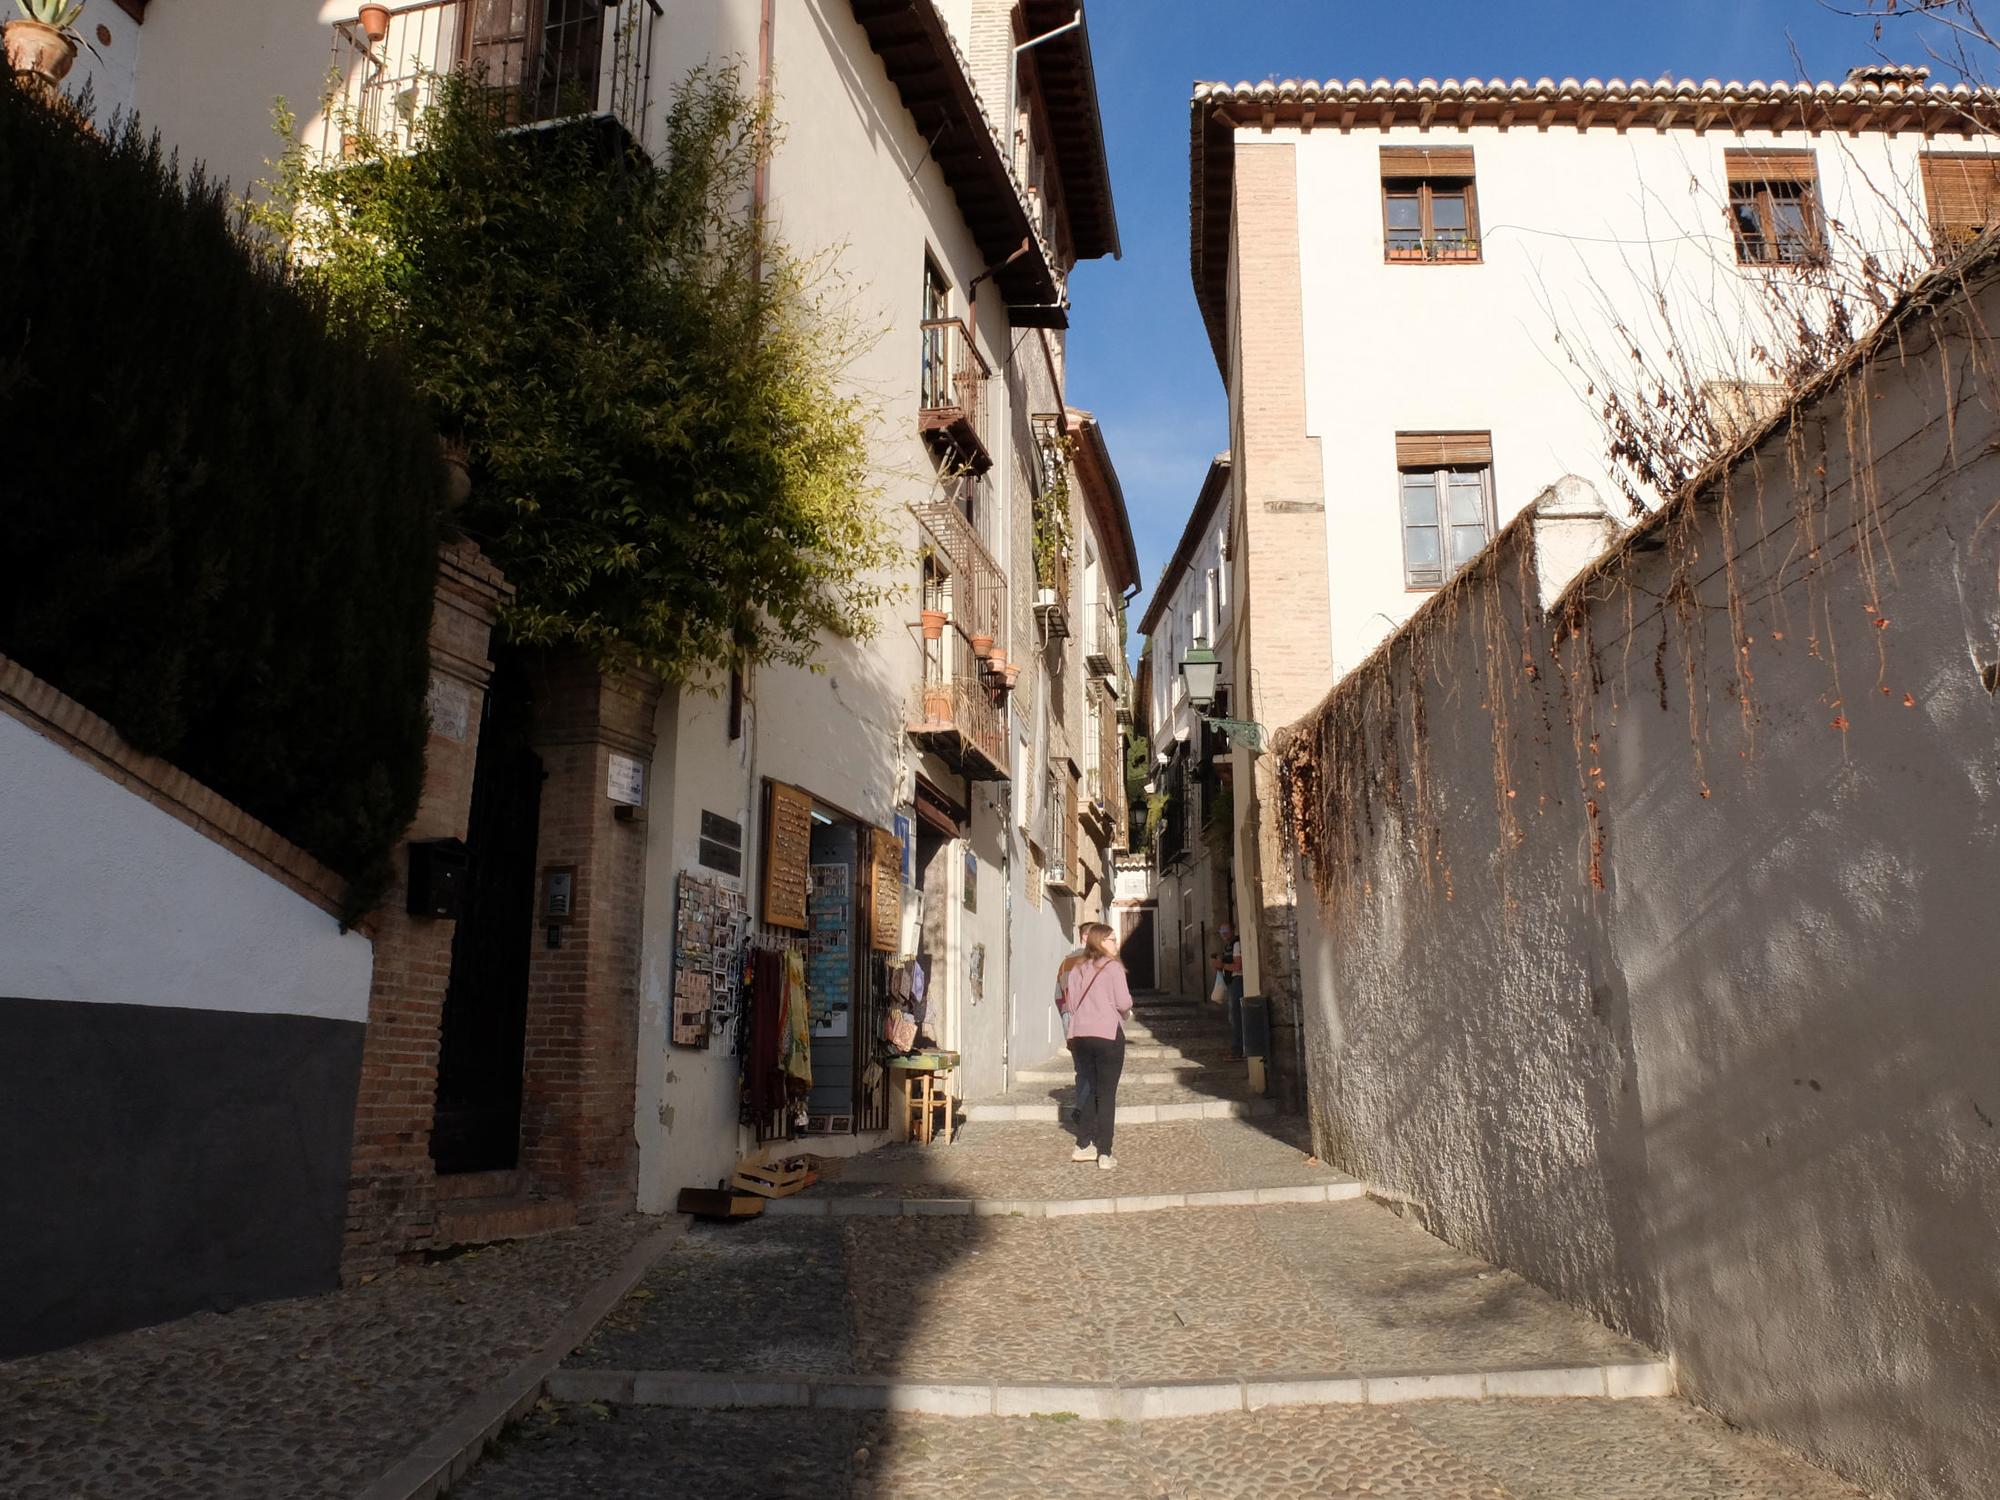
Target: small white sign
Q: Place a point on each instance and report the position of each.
(450, 704)
(627, 784)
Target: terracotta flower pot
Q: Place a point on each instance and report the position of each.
(933, 624)
(937, 705)
(982, 646)
(39, 50)
(1010, 677)
(375, 22)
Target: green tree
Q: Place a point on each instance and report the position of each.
(647, 388)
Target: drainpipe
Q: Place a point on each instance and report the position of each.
(760, 182)
(1014, 75)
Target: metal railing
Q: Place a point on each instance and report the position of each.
(951, 382)
(1101, 649)
(955, 696)
(976, 585)
(546, 59)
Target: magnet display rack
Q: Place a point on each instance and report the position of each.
(711, 922)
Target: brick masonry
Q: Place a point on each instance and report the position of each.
(391, 1201)
(577, 1139)
(1280, 523)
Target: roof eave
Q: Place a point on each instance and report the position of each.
(1107, 497)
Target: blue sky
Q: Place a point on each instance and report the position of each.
(1138, 356)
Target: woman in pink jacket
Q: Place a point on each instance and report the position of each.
(1095, 1002)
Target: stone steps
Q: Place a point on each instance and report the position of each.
(1193, 1107)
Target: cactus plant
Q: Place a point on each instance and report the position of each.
(59, 14)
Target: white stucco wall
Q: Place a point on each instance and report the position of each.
(1732, 1084)
(851, 182)
(1568, 220)
(104, 898)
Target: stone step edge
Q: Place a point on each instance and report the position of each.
(1057, 1208)
(1106, 1401)
(1134, 1114)
(1154, 1075)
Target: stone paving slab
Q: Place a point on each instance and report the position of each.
(1446, 1450)
(309, 1397)
(1029, 1162)
(1273, 1290)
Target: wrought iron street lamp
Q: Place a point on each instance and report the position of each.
(1201, 670)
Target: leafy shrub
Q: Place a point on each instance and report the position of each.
(649, 389)
(220, 511)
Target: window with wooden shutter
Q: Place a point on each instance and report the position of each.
(1962, 192)
(1429, 208)
(1445, 482)
(1774, 210)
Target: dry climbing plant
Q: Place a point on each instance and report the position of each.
(1359, 768)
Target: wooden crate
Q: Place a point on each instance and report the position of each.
(775, 1179)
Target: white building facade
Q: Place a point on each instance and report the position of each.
(1419, 293)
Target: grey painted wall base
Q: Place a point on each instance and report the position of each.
(163, 1161)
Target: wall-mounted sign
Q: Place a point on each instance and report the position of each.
(787, 856)
(971, 881)
(885, 892)
(626, 782)
(908, 838)
(450, 703)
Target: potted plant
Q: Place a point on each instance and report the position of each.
(934, 624)
(937, 704)
(982, 646)
(43, 43)
(375, 23)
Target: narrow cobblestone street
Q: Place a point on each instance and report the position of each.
(1220, 1316)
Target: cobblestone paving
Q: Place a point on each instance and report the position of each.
(303, 1398)
(1007, 1160)
(1445, 1450)
(708, 1305)
(1134, 1297)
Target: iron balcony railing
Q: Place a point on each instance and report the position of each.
(951, 391)
(548, 60)
(1101, 649)
(976, 584)
(958, 700)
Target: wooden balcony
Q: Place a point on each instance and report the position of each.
(951, 395)
(553, 60)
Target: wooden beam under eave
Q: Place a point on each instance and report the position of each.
(1306, 118)
(1899, 120)
(1465, 116)
(1507, 113)
(1547, 117)
(1664, 120)
(1388, 117)
(1705, 117)
(1346, 118)
(1629, 114)
(1270, 118)
(1585, 114)
(1424, 113)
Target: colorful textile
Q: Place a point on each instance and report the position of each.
(797, 1054)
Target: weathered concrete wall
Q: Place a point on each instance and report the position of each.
(1653, 952)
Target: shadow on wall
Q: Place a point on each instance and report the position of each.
(1649, 953)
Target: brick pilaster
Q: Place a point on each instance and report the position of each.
(1280, 519)
(391, 1198)
(577, 1138)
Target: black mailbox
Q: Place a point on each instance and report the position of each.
(437, 878)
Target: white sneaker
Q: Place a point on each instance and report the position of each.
(1107, 1161)
(1084, 1153)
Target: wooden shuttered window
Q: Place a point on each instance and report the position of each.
(1437, 450)
(1774, 210)
(1445, 490)
(1962, 192)
(1430, 209)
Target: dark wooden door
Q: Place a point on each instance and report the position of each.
(1135, 947)
(484, 1032)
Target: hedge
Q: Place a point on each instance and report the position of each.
(220, 513)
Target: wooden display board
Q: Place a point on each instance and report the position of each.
(787, 857)
(885, 907)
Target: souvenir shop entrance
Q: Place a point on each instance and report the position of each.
(820, 968)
